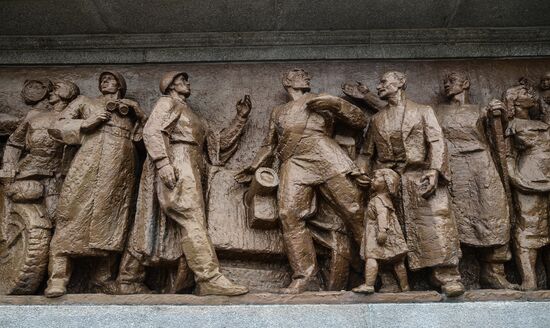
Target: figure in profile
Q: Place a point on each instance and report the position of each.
(312, 164)
(170, 226)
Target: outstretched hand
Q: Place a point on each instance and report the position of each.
(245, 175)
(355, 90)
(244, 106)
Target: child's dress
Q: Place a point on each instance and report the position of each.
(381, 214)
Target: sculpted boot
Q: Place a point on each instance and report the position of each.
(220, 285)
(59, 269)
(453, 289)
(56, 288)
(132, 288)
(297, 286)
(492, 275)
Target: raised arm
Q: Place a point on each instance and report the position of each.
(361, 92)
(221, 146)
(343, 111)
(264, 154)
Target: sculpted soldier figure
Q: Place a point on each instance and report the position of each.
(478, 195)
(311, 163)
(95, 200)
(31, 153)
(406, 137)
(32, 163)
(528, 164)
(170, 225)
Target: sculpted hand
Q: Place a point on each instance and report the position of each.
(245, 175)
(324, 103)
(244, 106)
(95, 120)
(129, 102)
(355, 90)
(381, 237)
(168, 176)
(429, 183)
(361, 179)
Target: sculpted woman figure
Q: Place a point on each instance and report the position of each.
(528, 162)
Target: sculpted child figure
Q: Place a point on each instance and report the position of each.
(383, 241)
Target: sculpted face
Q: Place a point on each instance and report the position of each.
(378, 183)
(181, 86)
(389, 85)
(60, 91)
(109, 84)
(300, 80)
(525, 100)
(545, 81)
(454, 85)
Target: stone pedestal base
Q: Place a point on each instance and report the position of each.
(343, 309)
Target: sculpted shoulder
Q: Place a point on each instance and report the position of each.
(165, 101)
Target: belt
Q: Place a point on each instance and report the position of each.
(45, 152)
(116, 131)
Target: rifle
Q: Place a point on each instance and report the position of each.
(497, 132)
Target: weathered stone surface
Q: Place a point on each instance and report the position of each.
(426, 315)
(492, 294)
(28, 17)
(275, 45)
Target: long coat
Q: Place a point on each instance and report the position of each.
(94, 203)
(430, 227)
(479, 201)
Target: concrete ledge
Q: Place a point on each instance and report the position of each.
(425, 315)
(275, 45)
(344, 297)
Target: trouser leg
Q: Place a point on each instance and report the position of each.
(347, 200)
(103, 269)
(371, 271)
(492, 273)
(443, 275)
(198, 248)
(526, 259)
(338, 272)
(401, 274)
(448, 278)
(131, 270)
(295, 202)
(60, 269)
